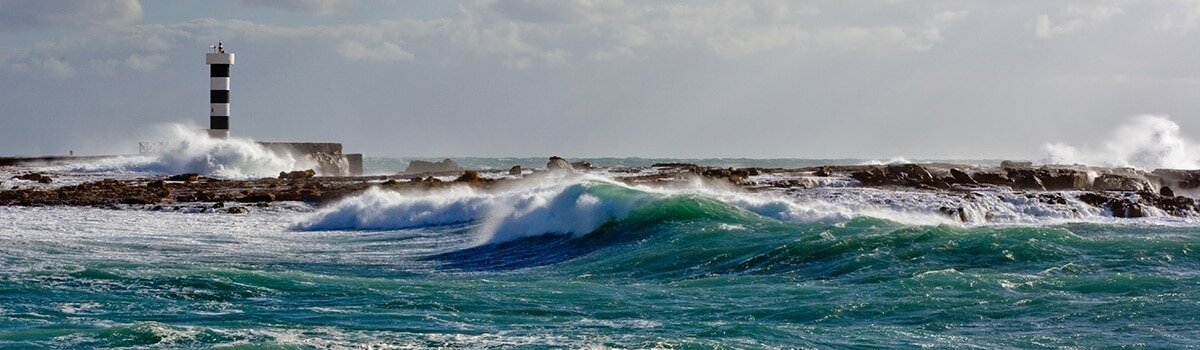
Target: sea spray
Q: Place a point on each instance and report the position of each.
(190, 150)
(1146, 142)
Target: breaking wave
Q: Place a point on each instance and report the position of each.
(193, 151)
(1146, 142)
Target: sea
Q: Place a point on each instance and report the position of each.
(583, 261)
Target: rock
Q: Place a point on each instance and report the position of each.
(469, 176)
(1115, 182)
(581, 165)
(1166, 192)
(962, 177)
(1025, 180)
(674, 165)
(515, 170)
(257, 197)
(1058, 179)
(237, 210)
(557, 163)
(189, 178)
(823, 172)
(299, 174)
(909, 171)
(1126, 208)
(424, 167)
(1182, 179)
(1016, 164)
(35, 177)
(156, 185)
(992, 178)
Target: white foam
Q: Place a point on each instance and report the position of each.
(1145, 142)
(190, 150)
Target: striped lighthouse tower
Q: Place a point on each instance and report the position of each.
(218, 94)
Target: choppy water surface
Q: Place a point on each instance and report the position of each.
(586, 264)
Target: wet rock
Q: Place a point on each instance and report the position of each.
(299, 174)
(1016, 164)
(1116, 182)
(557, 163)
(581, 165)
(424, 167)
(992, 178)
(469, 176)
(257, 197)
(515, 170)
(1182, 179)
(189, 178)
(1025, 180)
(962, 177)
(37, 177)
(1166, 192)
(237, 210)
(823, 172)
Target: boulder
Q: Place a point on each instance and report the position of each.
(1166, 192)
(424, 167)
(823, 172)
(35, 177)
(1016, 164)
(299, 174)
(1058, 179)
(557, 163)
(992, 178)
(189, 178)
(237, 210)
(515, 170)
(1116, 182)
(469, 176)
(581, 165)
(1183, 179)
(962, 177)
(1025, 180)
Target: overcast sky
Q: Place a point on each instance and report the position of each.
(585, 78)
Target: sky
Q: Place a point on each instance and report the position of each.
(592, 78)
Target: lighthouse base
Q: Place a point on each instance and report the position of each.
(218, 133)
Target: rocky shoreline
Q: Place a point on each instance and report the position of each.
(1121, 192)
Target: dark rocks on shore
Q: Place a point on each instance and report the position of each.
(37, 177)
(469, 176)
(423, 167)
(1016, 164)
(299, 174)
(1115, 182)
(189, 177)
(962, 177)
(515, 170)
(557, 163)
(1166, 192)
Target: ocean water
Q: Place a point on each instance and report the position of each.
(582, 261)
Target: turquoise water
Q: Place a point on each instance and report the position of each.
(675, 271)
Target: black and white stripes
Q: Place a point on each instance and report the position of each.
(218, 98)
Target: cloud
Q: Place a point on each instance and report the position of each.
(1073, 19)
(380, 52)
(1184, 18)
(24, 14)
(316, 7)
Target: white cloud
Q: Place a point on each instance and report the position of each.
(1073, 19)
(145, 63)
(1184, 17)
(22, 14)
(317, 7)
(379, 52)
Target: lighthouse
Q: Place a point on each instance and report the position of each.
(219, 62)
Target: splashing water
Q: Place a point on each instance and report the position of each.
(193, 151)
(1145, 142)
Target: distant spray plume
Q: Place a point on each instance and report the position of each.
(1145, 142)
(187, 149)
